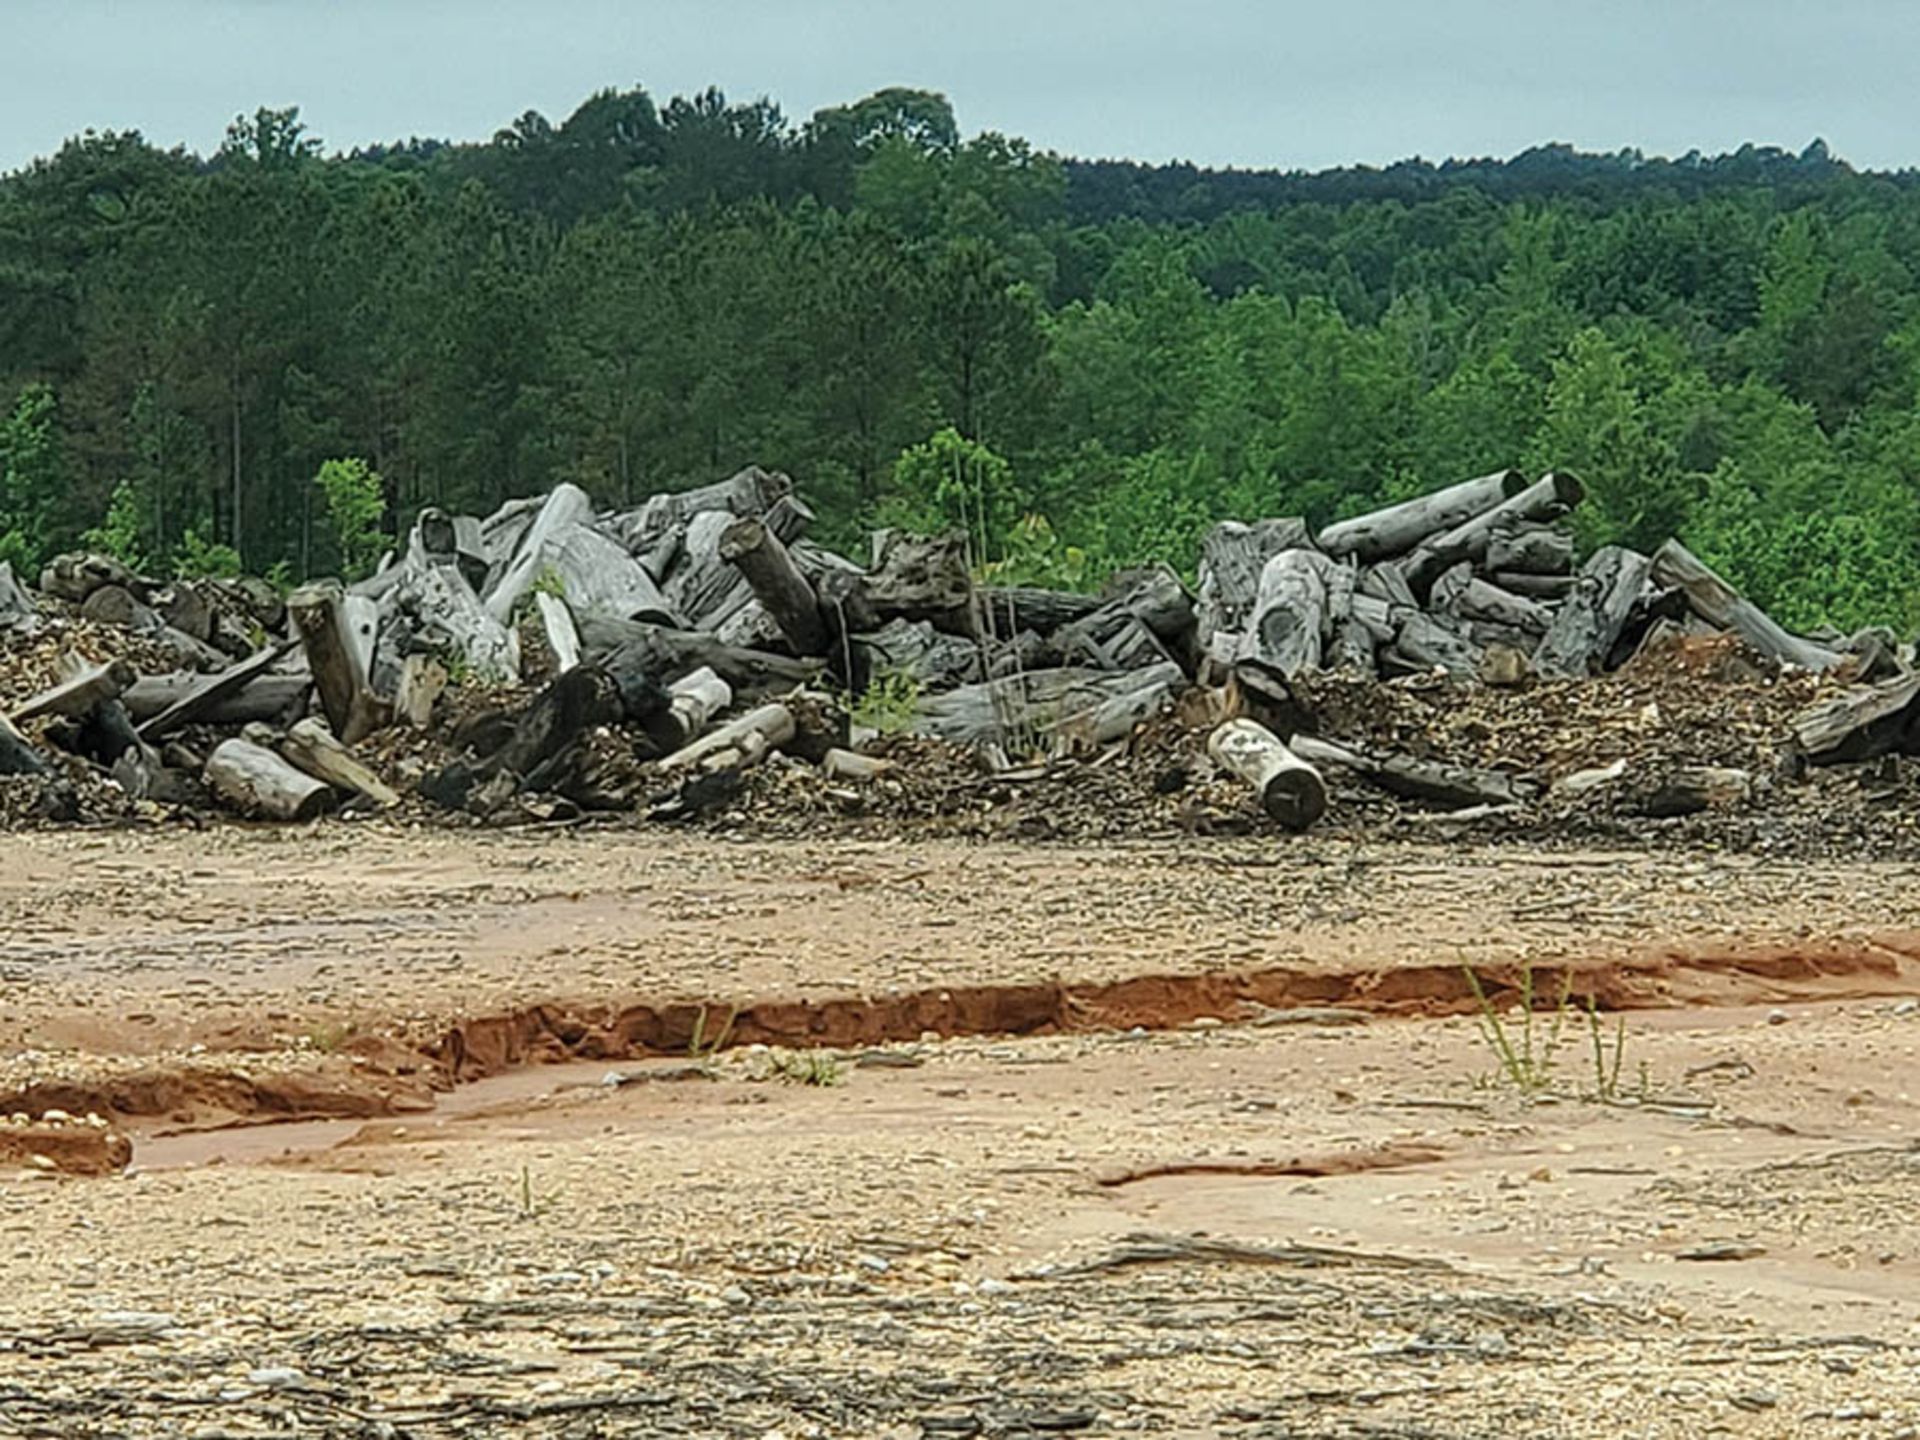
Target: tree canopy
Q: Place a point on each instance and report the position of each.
(288, 353)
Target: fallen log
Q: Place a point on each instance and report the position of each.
(556, 624)
(593, 572)
(1529, 549)
(1232, 555)
(739, 743)
(77, 695)
(311, 747)
(17, 610)
(665, 653)
(931, 658)
(256, 781)
(1715, 600)
(1026, 709)
(922, 577)
(1289, 619)
(1439, 781)
(1151, 690)
(337, 661)
(841, 764)
(563, 507)
(691, 703)
(1009, 609)
(1461, 593)
(1425, 642)
(1861, 724)
(1690, 789)
(17, 754)
(422, 678)
(1399, 528)
(751, 491)
(1591, 618)
(117, 605)
(1534, 587)
(436, 611)
(1290, 790)
(1553, 494)
(776, 582)
(201, 701)
(1387, 581)
(271, 697)
(77, 574)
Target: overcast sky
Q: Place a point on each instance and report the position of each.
(1244, 82)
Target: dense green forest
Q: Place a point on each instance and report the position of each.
(644, 296)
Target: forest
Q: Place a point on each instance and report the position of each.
(271, 357)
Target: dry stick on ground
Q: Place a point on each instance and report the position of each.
(1150, 1249)
(1419, 779)
(212, 692)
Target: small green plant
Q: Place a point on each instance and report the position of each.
(889, 702)
(198, 559)
(550, 582)
(1606, 1061)
(809, 1067)
(119, 534)
(1524, 1050)
(699, 1047)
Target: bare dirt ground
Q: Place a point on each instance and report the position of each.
(1243, 1169)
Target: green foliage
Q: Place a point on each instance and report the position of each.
(645, 296)
(888, 703)
(355, 503)
(119, 535)
(198, 559)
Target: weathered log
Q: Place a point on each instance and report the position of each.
(1553, 494)
(337, 661)
(556, 624)
(923, 577)
(422, 678)
(1592, 617)
(752, 491)
(1289, 788)
(1289, 621)
(1864, 722)
(1399, 528)
(1378, 618)
(17, 610)
(1438, 781)
(78, 694)
(840, 764)
(17, 754)
(565, 506)
(1689, 789)
(1025, 651)
(777, 583)
(1387, 581)
(1156, 597)
(1232, 555)
(739, 743)
(117, 605)
(1713, 599)
(691, 703)
(76, 575)
(106, 733)
(436, 611)
(1425, 642)
(1534, 587)
(665, 654)
(1009, 609)
(595, 574)
(1112, 639)
(931, 658)
(270, 697)
(1028, 709)
(311, 747)
(256, 781)
(562, 711)
(1529, 549)
(185, 608)
(1461, 593)
(205, 697)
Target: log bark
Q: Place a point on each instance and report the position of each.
(1529, 549)
(1552, 495)
(1461, 593)
(923, 577)
(422, 678)
(74, 697)
(17, 610)
(17, 755)
(1690, 789)
(1290, 790)
(776, 582)
(752, 491)
(691, 703)
(76, 575)
(208, 695)
(271, 697)
(1591, 618)
(1415, 778)
(1425, 642)
(739, 743)
(1399, 528)
(436, 611)
(334, 656)
(1232, 555)
(666, 654)
(311, 747)
(1009, 609)
(253, 779)
(1534, 587)
(1864, 722)
(1289, 620)
(1025, 710)
(1715, 600)
(933, 659)
(556, 624)
(1388, 581)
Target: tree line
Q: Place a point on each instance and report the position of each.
(1111, 357)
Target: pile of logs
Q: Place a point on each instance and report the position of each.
(707, 631)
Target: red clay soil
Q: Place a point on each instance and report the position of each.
(377, 1077)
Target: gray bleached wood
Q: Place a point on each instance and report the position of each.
(1530, 549)
(208, 694)
(1553, 494)
(1715, 600)
(311, 747)
(77, 695)
(254, 780)
(745, 740)
(556, 623)
(1232, 555)
(1398, 528)
(1290, 790)
(777, 583)
(334, 657)
(1417, 778)
(1289, 619)
(1591, 617)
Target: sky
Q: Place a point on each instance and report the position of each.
(1220, 82)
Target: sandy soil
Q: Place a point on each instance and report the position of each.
(1271, 1222)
